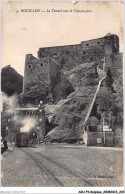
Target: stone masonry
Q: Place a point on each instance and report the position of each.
(44, 77)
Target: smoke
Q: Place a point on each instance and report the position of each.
(9, 103)
(29, 105)
(17, 119)
(28, 123)
(25, 123)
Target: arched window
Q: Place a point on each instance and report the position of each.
(29, 66)
(98, 42)
(55, 54)
(41, 64)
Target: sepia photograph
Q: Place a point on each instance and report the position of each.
(62, 94)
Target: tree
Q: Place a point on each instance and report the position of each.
(105, 100)
(92, 121)
(107, 105)
(11, 81)
(109, 80)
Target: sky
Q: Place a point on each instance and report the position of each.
(25, 32)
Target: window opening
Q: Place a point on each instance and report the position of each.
(41, 64)
(29, 66)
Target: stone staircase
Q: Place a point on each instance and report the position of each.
(102, 75)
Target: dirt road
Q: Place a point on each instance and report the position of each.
(61, 165)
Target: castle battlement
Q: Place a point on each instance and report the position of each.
(47, 67)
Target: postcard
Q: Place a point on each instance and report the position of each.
(62, 96)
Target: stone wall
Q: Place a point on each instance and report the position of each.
(111, 46)
(117, 72)
(67, 56)
(44, 80)
(99, 138)
(46, 73)
(117, 65)
(36, 71)
(119, 139)
(72, 55)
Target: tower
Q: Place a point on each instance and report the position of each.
(111, 46)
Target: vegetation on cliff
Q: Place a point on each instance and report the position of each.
(71, 114)
(11, 81)
(67, 114)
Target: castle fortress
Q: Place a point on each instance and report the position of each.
(43, 76)
(67, 80)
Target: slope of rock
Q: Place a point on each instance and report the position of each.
(70, 113)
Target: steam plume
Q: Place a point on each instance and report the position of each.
(28, 123)
(10, 104)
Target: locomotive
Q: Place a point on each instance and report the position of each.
(22, 140)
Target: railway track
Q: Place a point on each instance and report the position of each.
(56, 171)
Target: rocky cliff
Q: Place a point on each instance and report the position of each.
(69, 114)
